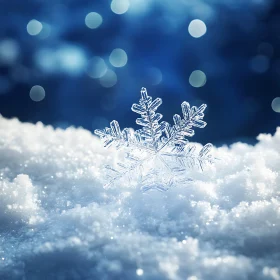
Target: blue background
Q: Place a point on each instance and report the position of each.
(239, 54)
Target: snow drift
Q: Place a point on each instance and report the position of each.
(58, 222)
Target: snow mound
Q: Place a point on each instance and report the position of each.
(58, 222)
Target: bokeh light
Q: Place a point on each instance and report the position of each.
(37, 93)
(71, 59)
(197, 78)
(34, 27)
(139, 272)
(260, 64)
(197, 28)
(275, 105)
(66, 59)
(109, 79)
(118, 58)
(9, 51)
(46, 31)
(266, 49)
(139, 6)
(45, 60)
(96, 67)
(93, 20)
(119, 6)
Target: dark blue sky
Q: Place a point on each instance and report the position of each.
(67, 51)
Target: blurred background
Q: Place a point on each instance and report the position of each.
(83, 63)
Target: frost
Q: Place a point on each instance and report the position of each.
(159, 155)
(224, 225)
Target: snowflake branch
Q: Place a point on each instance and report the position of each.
(152, 129)
(182, 127)
(188, 156)
(120, 175)
(114, 135)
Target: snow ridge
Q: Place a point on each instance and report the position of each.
(58, 222)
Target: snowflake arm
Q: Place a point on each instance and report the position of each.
(126, 138)
(152, 130)
(192, 117)
(187, 158)
(131, 164)
(111, 135)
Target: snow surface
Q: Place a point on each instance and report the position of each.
(58, 222)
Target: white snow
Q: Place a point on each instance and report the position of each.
(58, 222)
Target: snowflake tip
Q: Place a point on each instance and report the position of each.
(143, 90)
(144, 93)
(115, 127)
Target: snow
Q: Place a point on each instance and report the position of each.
(58, 222)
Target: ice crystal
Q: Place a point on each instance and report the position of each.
(158, 155)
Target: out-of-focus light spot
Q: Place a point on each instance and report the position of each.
(119, 6)
(9, 51)
(96, 67)
(34, 27)
(46, 60)
(275, 105)
(266, 49)
(197, 28)
(197, 78)
(67, 59)
(203, 10)
(138, 6)
(46, 31)
(93, 20)
(118, 58)
(192, 278)
(71, 59)
(154, 76)
(109, 79)
(139, 272)
(260, 64)
(37, 93)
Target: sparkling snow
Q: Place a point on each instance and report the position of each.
(58, 222)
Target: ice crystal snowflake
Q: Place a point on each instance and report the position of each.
(158, 155)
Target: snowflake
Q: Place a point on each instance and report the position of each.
(158, 155)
